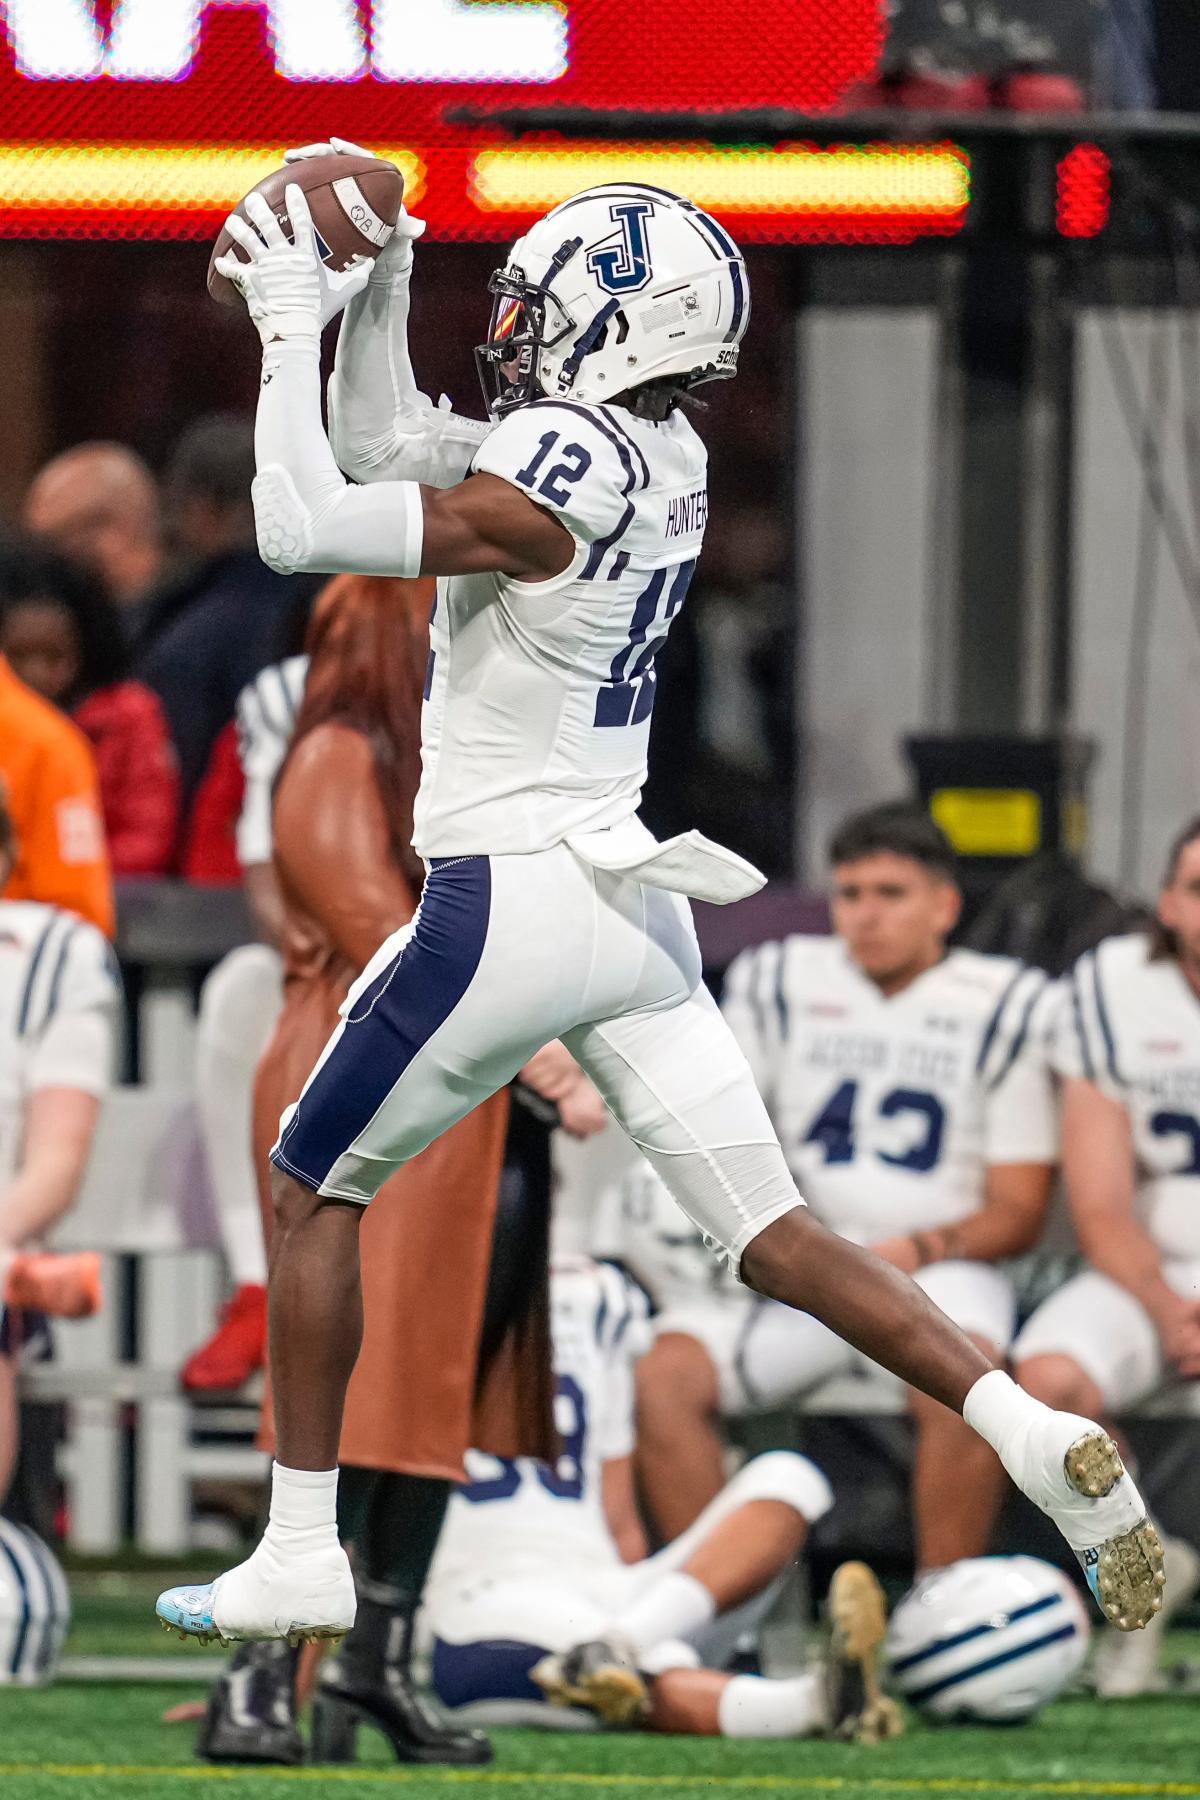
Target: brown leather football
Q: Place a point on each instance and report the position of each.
(354, 201)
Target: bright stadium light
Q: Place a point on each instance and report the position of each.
(54, 40)
(470, 40)
(314, 40)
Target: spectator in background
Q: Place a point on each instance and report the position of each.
(48, 776)
(1127, 1050)
(99, 504)
(62, 637)
(227, 616)
(58, 994)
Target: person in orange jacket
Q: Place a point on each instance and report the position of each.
(48, 773)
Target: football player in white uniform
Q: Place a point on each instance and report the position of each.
(910, 1091)
(1128, 1050)
(549, 910)
(58, 996)
(542, 1586)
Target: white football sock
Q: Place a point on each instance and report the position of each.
(303, 1508)
(239, 1005)
(997, 1409)
(752, 1707)
(677, 1606)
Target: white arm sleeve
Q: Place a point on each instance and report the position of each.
(305, 514)
(381, 426)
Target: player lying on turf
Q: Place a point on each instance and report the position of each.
(1128, 1049)
(542, 1586)
(567, 531)
(910, 1086)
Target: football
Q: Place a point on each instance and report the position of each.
(354, 200)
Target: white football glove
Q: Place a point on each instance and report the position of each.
(396, 256)
(289, 293)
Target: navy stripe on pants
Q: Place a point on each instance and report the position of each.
(392, 1020)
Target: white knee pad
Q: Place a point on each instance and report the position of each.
(783, 1475)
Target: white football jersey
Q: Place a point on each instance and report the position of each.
(890, 1111)
(1131, 1023)
(539, 694)
(266, 718)
(517, 1516)
(54, 970)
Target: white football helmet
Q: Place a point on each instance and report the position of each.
(620, 286)
(994, 1638)
(35, 1608)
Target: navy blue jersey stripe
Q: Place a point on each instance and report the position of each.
(280, 725)
(18, 1655)
(1019, 1037)
(1106, 1030)
(1085, 1049)
(618, 565)
(602, 546)
(975, 1631)
(56, 979)
(781, 999)
(629, 439)
(993, 1024)
(27, 993)
(643, 617)
(918, 1695)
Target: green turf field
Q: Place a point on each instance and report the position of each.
(81, 1740)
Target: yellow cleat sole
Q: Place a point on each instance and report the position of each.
(314, 1634)
(858, 1626)
(1130, 1577)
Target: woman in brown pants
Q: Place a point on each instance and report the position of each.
(476, 1372)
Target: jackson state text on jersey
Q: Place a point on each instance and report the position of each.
(539, 694)
(1130, 1022)
(891, 1110)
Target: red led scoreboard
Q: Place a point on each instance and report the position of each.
(150, 118)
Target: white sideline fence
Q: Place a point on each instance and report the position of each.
(145, 1166)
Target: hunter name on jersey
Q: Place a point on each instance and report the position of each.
(891, 1110)
(1130, 1023)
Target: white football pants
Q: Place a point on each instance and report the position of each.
(507, 953)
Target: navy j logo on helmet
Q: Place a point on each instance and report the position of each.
(621, 263)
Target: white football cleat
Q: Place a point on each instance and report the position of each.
(304, 1596)
(1127, 1664)
(1070, 1468)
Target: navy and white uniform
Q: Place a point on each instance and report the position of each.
(890, 1112)
(266, 718)
(549, 911)
(35, 1608)
(1130, 1023)
(59, 990)
(526, 1562)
